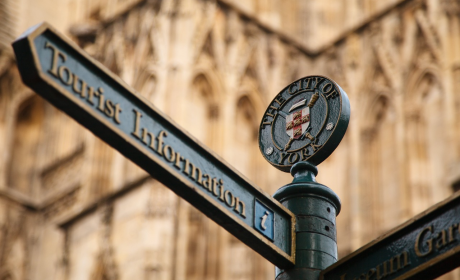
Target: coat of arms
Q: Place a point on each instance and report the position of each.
(304, 122)
(298, 122)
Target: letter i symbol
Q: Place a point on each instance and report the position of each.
(264, 219)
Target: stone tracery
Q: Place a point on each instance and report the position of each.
(224, 66)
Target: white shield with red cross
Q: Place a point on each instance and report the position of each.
(297, 123)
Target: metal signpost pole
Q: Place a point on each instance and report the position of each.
(301, 127)
(315, 207)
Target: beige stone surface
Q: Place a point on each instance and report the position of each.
(73, 208)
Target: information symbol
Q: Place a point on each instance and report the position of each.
(264, 220)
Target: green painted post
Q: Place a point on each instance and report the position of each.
(302, 126)
(316, 207)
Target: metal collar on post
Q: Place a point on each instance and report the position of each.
(316, 207)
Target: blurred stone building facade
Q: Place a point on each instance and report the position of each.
(73, 208)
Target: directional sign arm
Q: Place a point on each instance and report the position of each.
(67, 77)
(423, 248)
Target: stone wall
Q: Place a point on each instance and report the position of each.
(73, 208)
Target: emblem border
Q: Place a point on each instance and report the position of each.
(337, 133)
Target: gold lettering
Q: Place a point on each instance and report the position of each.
(315, 147)
(332, 94)
(242, 212)
(308, 80)
(291, 160)
(100, 93)
(279, 99)
(451, 233)
(82, 90)
(90, 95)
(146, 134)
(305, 154)
(69, 80)
(169, 150)
(54, 61)
(394, 267)
(109, 109)
(191, 170)
(136, 124)
(197, 171)
(117, 113)
(406, 259)
(283, 157)
(381, 275)
(371, 274)
(273, 107)
(395, 264)
(384, 269)
(330, 87)
(214, 186)
(441, 239)
(266, 123)
(297, 88)
(318, 80)
(429, 242)
(178, 159)
(232, 199)
(206, 182)
(160, 141)
(221, 197)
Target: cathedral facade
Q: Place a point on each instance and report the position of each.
(71, 207)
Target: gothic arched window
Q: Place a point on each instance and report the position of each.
(379, 184)
(246, 125)
(203, 235)
(425, 127)
(27, 134)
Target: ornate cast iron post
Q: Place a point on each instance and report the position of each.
(315, 207)
(302, 126)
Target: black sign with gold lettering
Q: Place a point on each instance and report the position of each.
(423, 248)
(58, 70)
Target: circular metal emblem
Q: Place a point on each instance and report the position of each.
(305, 122)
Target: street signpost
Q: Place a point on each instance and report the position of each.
(71, 80)
(301, 127)
(425, 247)
(305, 122)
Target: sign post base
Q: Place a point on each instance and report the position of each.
(316, 207)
